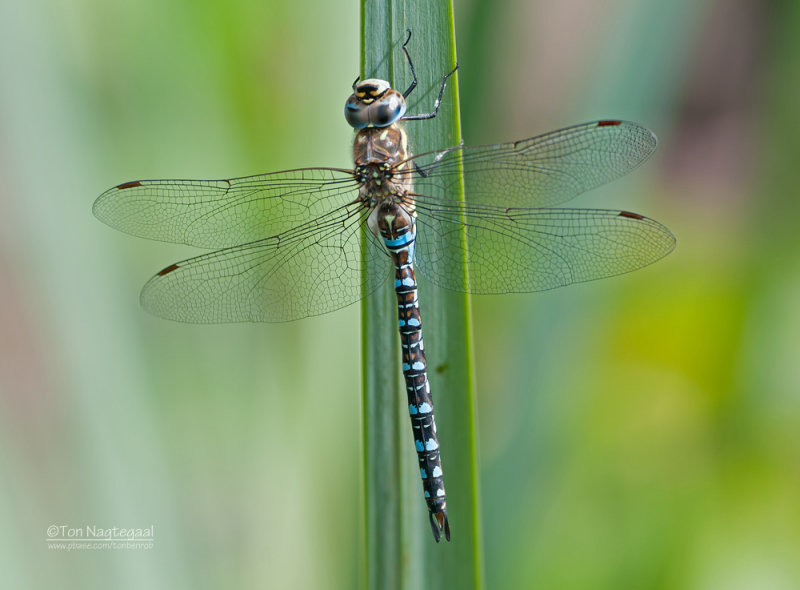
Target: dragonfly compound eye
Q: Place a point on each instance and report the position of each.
(374, 104)
(388, 109)
(356, 113)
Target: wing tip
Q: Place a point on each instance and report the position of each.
(99, 206)
(647, 135)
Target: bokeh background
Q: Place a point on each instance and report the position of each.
(637, 432)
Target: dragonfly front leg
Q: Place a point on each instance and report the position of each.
(424, 172)
(413, 85)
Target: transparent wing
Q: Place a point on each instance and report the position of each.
(512, 240)
(540, 171)
(521, 250)
(309, 270)
(224, 213)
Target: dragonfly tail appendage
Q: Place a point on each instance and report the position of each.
(440, 523)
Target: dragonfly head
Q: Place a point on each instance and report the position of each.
(374, 103)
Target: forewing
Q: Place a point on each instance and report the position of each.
(540, 171)
(224, 213)
(312, 269)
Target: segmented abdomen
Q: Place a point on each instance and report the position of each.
(400, 244)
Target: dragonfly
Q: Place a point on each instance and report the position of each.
(293, 244)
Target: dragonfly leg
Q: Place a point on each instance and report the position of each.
(425, 171)
(413, 85)
(411, 65)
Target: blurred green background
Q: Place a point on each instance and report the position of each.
(637, 432)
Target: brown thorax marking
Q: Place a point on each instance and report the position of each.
(380, 155)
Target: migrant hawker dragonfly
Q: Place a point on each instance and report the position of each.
(291, 244)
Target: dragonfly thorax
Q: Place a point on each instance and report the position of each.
(381, 164)
(374, 103)
(386, 146)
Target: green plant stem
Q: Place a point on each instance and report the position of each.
(398, 547)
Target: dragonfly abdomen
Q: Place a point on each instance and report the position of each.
(398, 231)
